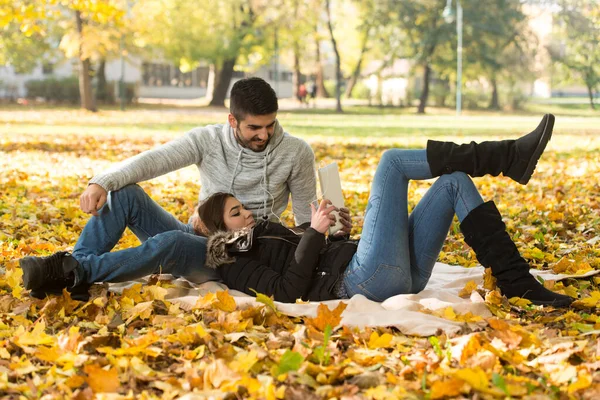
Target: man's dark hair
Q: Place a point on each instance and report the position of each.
(211, 213)
(252, 96)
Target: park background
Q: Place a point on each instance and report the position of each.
(85, 84)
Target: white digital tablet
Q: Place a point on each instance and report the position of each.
(331, 189)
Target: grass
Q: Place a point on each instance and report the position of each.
(576, 126)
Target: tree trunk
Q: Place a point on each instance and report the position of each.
(591, 96)
(102, 90)
(296, 74)
(494, 103)
(357, 68)
(338, 64)
(223, 79)
(320, 81)
(211, 82)
(425, 92)
(85, 81)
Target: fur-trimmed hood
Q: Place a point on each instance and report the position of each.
(222, 243)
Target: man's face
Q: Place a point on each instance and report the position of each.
(254, 131)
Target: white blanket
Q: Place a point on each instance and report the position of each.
(404, 312)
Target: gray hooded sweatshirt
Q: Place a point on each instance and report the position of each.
(262, 181)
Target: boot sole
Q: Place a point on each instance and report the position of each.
(557, 304)
(544, 139)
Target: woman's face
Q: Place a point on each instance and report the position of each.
(236, 216)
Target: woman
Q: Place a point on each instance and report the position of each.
(396, 252)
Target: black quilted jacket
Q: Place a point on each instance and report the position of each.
(274, 260)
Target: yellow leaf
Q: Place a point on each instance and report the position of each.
(325, 317)
(591, 301)
(225, 301)
(449, 314)
(49, 354)
(468, 289)
(489, 282)
(519, 302)
(36, 337)
(14, 278)
(205, 301)
(377, 342)
(244, 361)
(154, 292)
(494, 297)
(475, 377)
(583, 381)
(101, 380)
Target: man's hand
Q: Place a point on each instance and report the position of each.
(322, 218)
(92, 199)
(346, 221)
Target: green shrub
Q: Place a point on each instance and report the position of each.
(130, 92)
(360, 91)
(474, 98)
(66, 90)
(63, 90)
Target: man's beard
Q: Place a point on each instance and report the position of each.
(251, 144)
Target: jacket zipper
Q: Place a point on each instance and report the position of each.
(278, 238)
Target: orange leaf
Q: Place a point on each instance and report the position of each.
(325, 317)
(448, 388)
(101, 380)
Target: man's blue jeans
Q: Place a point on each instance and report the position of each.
(168, 245)
(397, 252)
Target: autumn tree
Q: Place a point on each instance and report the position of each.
(79, 22)
(575, 48)
(498, 44)
(425, 31)
(213, 31)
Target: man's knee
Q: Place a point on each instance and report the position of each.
(130, 194)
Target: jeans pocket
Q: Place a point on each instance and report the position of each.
(385, 282)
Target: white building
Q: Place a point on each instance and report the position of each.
(152, 79)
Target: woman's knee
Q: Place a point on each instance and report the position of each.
(391, 156)
(455, 181)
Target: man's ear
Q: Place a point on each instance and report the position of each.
(232, 121)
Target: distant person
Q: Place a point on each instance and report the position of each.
(313, 92)
(250, 156)
(302, 94)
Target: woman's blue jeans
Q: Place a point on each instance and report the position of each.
(397, 251)
(168, 245)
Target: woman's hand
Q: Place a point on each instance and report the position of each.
(322, 218)
(346, 222)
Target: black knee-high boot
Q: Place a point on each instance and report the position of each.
(486, 233)
(513, 158)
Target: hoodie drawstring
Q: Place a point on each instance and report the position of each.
(265, 216)
(235, 171)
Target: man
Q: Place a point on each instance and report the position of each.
(250, 156)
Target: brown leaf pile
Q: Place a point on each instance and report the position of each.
(140, 345)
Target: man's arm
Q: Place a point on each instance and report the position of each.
(303, 184)
(176, 154)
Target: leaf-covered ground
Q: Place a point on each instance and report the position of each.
(140, 345)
